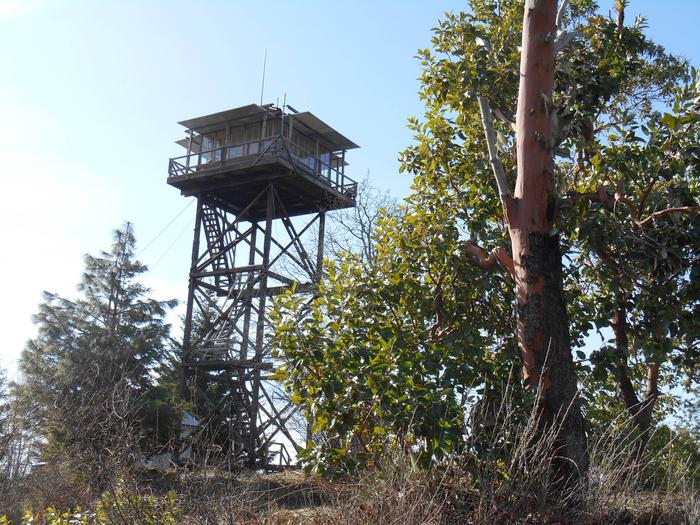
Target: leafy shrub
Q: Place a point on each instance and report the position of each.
(114, 508)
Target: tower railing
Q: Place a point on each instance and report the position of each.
(258, 150)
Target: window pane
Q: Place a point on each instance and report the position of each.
(236, 136)
(252, 136)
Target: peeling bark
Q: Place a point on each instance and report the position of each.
(543, 325)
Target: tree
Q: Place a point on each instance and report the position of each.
(86, 376)
(604, 73)
(351, 230)
(640, 256)
(12, 464)
(589, 105)
(388, 354)
(368, 362)
(530, 215)
(5, 423)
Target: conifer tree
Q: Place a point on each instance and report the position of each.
(89, 372)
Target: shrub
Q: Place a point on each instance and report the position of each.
(120, 507)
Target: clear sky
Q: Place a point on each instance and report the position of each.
(90, 93)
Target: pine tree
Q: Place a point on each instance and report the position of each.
(88, 375)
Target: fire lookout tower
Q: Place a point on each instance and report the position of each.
(263, 177)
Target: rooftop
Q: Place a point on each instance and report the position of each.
(309, 122)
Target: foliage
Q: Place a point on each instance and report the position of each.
(674, 459)
(392, 349)
(122, 507)
(88, 378)
(115, 508)
(648, 269)
(369, 364)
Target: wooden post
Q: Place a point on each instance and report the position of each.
(320, 246)
(187, 338)
(250, 287)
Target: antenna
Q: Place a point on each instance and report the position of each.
(262, 88)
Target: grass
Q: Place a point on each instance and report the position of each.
(504, 476)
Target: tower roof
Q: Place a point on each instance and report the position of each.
(255, 113)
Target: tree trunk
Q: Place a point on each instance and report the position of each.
(641, 412)
(543, 326)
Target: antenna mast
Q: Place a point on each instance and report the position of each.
(262, 88)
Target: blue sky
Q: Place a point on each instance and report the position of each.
(90, 93)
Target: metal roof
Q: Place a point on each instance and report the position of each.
(323, 130)
(254, 113)
(215, 121)
(195, 147)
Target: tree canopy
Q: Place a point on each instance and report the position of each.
(393, 349)
(91, 373)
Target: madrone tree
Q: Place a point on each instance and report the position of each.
(556, 191)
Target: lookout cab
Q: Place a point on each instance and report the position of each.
(264, 178)
(232, 155)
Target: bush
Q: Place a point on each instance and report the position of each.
(120, 507)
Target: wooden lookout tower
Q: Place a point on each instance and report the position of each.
(264, 177)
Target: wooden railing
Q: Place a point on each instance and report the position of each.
(283, 458)
(270, 147)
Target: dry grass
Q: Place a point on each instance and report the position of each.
(504, 476)
(401, 494)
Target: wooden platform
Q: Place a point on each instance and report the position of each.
(234, 184)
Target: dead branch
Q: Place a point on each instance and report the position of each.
(562, 41)
(564, 38)
(496, 164)
(560, 15)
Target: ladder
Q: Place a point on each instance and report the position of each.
(216, 242)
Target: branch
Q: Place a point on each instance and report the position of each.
(560, 14)
(486, 262)
(631, 208)
(690, 210)
(564, 39)
(634, 212)
(601, 196)
(438, 305)
(645, 195)
(620, 329)
(652, 390)
(505, 116)
(496, 164)
(620, 8)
